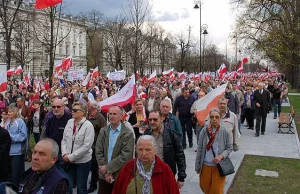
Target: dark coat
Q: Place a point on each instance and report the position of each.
(264, 101)
(132, 120)
(41, 119)
(173, 152)
(5, 143)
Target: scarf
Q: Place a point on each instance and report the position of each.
(145, 175)
(211, 136)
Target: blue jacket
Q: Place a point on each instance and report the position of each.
(18, 135)
(173, 123)
(251, 99)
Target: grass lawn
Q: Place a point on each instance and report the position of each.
(246, 182)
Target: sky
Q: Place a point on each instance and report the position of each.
(175, 16)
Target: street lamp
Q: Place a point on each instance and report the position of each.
(198, 6)
(236, 51)
(204, 28)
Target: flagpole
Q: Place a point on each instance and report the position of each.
(58, 24)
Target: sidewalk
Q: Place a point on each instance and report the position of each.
(270, 144)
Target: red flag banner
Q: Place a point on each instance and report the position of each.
(42, 4)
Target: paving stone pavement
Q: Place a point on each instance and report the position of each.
(270, 144)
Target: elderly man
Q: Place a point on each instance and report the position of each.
(114, 148)
(146, 173)
(43, 177)
(55, 126)
(230, 121)
(169, 146)
(98, 121)
(153, 101)
(170, 121)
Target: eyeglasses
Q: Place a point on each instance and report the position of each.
(153, 119)
(214, 117)
(76, 110)
(54, 107)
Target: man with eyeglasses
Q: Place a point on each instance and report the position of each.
(169, 148)
(55, 126)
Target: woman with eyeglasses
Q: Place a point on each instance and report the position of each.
(139, 118)
(19, 144)
(215, 140)
(38, 116)
(76, 148)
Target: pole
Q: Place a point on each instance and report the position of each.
(203, 49)
(200, 67)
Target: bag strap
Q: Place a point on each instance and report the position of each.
(73, 140)
(212, 147)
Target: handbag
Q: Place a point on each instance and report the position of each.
(67, 165)
(225, 166)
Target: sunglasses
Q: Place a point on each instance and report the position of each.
(54, 107)
(76, 110)
(154, 119)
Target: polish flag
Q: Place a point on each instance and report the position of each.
(169, 72)
(95, 73)
(19, 70)
(241, 65)
(152, 76)
(10, 72)
(27, 79)
(42, 4)
(66, 63)
(3, 80)
(125, 96)
(144, 80)
(181, 75)
(86, 80)
(142, 95)
(198, 76)
(172, 77)
(222, 70)
(208, 102)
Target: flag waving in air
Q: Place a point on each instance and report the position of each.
(42, 4)
(152, 76)
(222, 70)
(240, 68)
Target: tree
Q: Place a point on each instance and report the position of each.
(8, 17)
(47, 33)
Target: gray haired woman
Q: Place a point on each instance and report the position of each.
(76, 147)
(213, 138)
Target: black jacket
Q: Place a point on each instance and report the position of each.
(264, 101)
(5, 143)
(133, 120)
(173, 152)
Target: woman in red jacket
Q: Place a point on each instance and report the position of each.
(146, 174)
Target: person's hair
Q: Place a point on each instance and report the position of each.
(166, 100)
(215, 110)
(138, 100)
(147, 138)
(15, 111)
(185, 89)
(56, 96)
(82, 106)
(156, 111)
(36, 102)
(222, 98)
(120, 107)
(22, 98)
(94, 103)
(55, 147)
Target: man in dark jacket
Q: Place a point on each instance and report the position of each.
(5, 142)
(169, 148)
(43, 177)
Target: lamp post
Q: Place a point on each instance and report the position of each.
(236, 51)
(198, 6)
(204, 28)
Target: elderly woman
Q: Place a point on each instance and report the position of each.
(19, 143)
(76, 147)
(138, 119)
(213, 138)
(146, 174)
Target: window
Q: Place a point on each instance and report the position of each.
(67, 49)
(74, 51)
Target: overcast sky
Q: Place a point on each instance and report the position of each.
(175, 16)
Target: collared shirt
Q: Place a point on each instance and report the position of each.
(113, 136)
(209, 156)
(159, 144)
(150, 104)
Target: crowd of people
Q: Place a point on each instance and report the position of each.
(138, 148)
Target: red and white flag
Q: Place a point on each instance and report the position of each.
(169, 72)
(240, 68)
(208, 102)
(10, 72)
(126, 95)
(198, 76)
(144, 80)
(3, 79)
(222, 70)
(181, 75)
(41, 4)
(86, 80)
(64, 64)
(152, 76)
(95, 73)
(19, 70)
(172, 77)
(27, 79)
